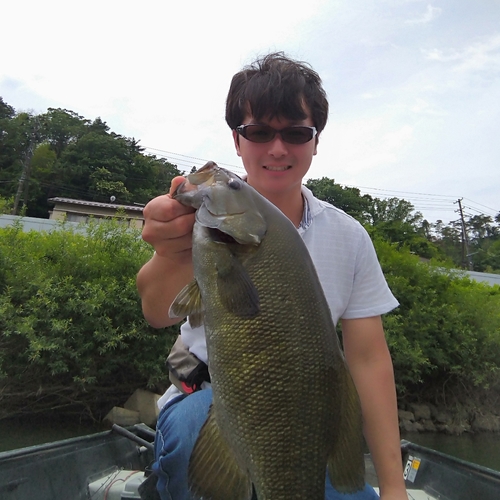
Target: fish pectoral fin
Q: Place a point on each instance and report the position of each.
(346, 464)
(237, 292)
(213, 470)
(188, 303)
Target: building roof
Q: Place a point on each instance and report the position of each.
(87, 203)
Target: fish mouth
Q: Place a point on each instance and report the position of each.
(218, 236)
(281, 168)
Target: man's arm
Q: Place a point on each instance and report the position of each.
(168, 228)
(158, 282)
(371, 368)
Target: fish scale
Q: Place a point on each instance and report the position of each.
(284, 405)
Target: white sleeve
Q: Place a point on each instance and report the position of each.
(370, 294)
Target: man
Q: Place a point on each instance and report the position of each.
(277, 109)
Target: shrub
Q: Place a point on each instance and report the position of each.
(72, 332)
(446, 330)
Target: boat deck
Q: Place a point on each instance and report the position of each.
(416, 495)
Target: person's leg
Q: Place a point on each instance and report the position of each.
(368, 493)
(176, 432)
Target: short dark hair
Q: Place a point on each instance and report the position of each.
(276, 86)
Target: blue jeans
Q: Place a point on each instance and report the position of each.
(177, 429)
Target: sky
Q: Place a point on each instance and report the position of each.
(413, 85)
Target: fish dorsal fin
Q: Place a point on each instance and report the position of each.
(347, 469)
(237, 292)
(188, 303)
(213, 469)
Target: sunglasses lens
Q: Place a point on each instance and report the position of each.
(258, 133)
(264, 133)
(297, 135)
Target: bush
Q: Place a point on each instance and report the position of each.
(446, 331)
(72, 332)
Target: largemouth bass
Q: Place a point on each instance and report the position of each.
(284, 407)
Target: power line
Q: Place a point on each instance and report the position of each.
(405, 192)
(489, 208)
(185, 158)
(420, 201)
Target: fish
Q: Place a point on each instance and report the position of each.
(285, 409)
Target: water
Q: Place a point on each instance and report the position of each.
(482, 449)
(29, 432)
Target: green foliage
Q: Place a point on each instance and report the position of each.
(78, 158)
(6, 205)
(480, 251)
(72, 333)
(72, 330)
(346, 198)
(75, 158)
(392, 219)
(446, 329)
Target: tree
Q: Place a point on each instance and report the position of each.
(346, 198)
(6, 205)
(20, 134)
(394, 219)
(8, 154)
(393, 209)
(103, 184)
(63, 127)
(42, 178)
(483, 234)
(76, 158)
(481, 226)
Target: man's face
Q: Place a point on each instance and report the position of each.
(276, 167)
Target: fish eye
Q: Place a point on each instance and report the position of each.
(234, 184)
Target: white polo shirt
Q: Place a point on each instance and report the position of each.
(347, 266)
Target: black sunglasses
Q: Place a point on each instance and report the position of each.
(265, 133)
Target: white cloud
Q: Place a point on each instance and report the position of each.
(423, 106)
(480, 55)
(362, 145)
(430, 14)
(160, 72)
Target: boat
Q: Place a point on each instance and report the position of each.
(107, 465)
(115, 465)
(431, 475)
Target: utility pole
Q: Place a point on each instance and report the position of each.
(25, 174)
(466, 260)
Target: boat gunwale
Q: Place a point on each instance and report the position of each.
(106, 435)
(412, 448)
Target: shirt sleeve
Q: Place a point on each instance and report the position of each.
(370, 294)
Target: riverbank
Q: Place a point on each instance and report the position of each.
(470, 411)
(430, 418)
(480, 448)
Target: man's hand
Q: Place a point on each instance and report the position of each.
(168, 226)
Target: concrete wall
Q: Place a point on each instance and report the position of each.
(31, 223)
(492, 279)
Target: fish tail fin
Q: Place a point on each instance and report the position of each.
(346, 464)
(213, 470)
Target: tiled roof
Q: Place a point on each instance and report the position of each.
(86, 203)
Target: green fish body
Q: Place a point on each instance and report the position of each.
(284, 405)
